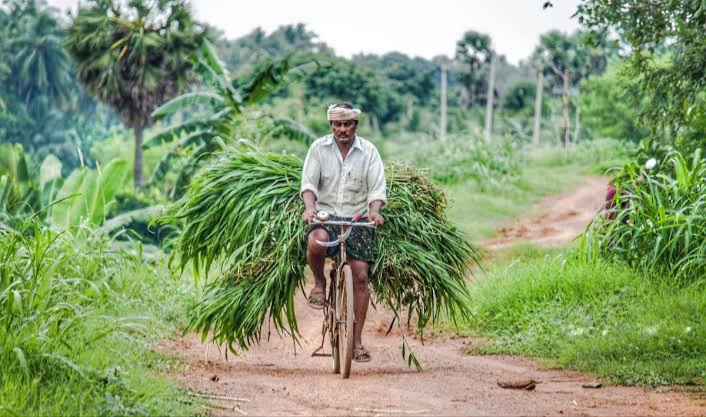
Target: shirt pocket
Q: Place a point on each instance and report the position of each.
(356, 181)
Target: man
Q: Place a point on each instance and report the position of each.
(344, 176)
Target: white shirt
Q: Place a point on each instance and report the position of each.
(344, 187)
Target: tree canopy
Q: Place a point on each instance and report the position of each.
(134, 57)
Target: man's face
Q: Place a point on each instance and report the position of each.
(343, 130)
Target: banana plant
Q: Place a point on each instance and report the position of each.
(225, 104)
(86, 194)
(24, 189)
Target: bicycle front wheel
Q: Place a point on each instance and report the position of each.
(346, 319)
(332, 324)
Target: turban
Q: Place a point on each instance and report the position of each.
(340, 113)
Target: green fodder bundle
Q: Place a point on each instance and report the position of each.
(243, 214)
(659, 218)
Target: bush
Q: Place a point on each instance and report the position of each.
(660, 218)
(608, 109)
(74, 313)
(459, 158)
(598, 154)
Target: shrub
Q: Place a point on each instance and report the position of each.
(73, 315)
(660, 218)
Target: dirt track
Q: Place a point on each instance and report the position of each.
(559, 220)
(272, 379)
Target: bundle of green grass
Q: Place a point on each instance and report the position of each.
(242, 219)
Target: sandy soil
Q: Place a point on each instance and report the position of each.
(276, 379)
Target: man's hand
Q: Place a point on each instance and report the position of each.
(308, 215)
(377, 218)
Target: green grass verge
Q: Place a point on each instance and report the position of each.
(78, 319)
(479, 211)
(629, 326)
(480, 208)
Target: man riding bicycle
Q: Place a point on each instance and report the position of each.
(343, 175)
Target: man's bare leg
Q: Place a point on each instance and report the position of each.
(362, 298)
(316, 258)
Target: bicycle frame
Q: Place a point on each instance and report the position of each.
(335, 274)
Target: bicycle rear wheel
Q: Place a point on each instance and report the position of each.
(346, 317)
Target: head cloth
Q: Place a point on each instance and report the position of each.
(341, 113)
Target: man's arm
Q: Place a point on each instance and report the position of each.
(374, 213)
(311, 173)
(310, 206)
(377, 192)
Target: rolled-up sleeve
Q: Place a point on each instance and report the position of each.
(376, 179)
(311, 172)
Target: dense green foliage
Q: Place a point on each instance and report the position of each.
(667, 57)
(459, 158)
(134, 58)
(79, 309)
(76, 317)
(473, 51)
(243, 212)
(660, 218)
(240, 54)
(42, 106)
(608, 109)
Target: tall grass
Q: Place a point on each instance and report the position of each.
(458, 159)
(595, 156)
(607, 318)
(660, 218)
(74, 319)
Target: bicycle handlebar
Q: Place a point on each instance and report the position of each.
(342, 223)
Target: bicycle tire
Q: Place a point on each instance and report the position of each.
(333, 326)
(346, 316)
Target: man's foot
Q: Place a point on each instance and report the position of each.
(361, 354)
(317, 299)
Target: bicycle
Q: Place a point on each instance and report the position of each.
(339, 321)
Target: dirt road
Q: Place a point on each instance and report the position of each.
(559, 219)
(272, 379)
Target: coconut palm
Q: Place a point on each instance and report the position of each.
(40, 65)
(134, 57)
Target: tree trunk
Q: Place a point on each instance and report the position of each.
(490, 99)
(538, 108)
(577, 118)
(376, 126)
(139, 129)
(471, 90)
(565, 103)
(442, 105)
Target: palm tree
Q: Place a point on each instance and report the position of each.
(472, 51)
(40, 64)
(224, 117)
(134, 57)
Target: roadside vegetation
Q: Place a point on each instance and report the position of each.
(78, 319)
(628, 325)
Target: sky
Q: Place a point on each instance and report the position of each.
(423, 28)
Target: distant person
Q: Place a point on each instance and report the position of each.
(343, 175)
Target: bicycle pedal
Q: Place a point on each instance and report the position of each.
(323, 355)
